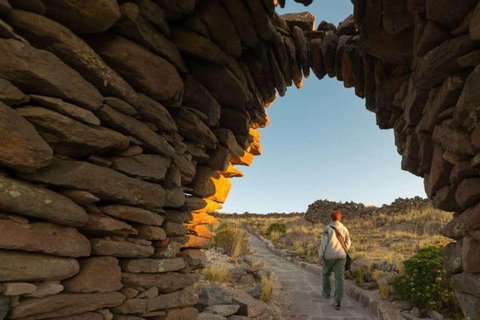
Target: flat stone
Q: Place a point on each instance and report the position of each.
(43, 237)
(70, 137)
(90, 16)
(242, 20)
(151, 232)
(474, 26)
(98, 274)
(169, 251)
(33, 201)
(40, 72)
(102, 182)
(157, 78)
(165, 282)
(105, 225)
(192, 127)
(18, 288)
(174, 229)
(67, 109)
(134, 26)
(468, 192)
(467, 105)
(120, 105)
(220, 26)
(433, 35)
(182, 313)
(437, 64)
(11, 95)
(152, 265)
(304, 20)
(65, 304)
(44, 289)
(53, 37)
(80, 196)
(302, 50)
(182, 298)
(448, 14)
(153, 13)
(21, 147)
(120, 249)
(260, 18)
(157, 114)
(224, 85)
(174, 198)
(144, 166)
(466, 283)
(210, 184)
(456, 140)
(471, 255)
(195, 259)
(131, 126)
(23, 266)
(133, 214)
(210, 316)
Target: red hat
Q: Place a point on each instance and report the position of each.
(336, 216)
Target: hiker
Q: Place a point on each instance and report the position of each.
(333, 257)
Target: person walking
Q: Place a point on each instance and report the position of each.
(333, 257)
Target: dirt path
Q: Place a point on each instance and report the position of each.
(303, 290)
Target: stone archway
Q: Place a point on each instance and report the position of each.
(123, 122)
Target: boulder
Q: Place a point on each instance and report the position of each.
(65, 305)
(168, 251)
(133, 214)
(152, 265)
(40, 72)
(102, 182)
(121, 249)
(456, 140)
(174, 198)
(198, 97)
(70, 137)
(433, 35)
(468, 192)
(43, 237)
(462, 224)
(193, 128)
(153, 75)
(182, 298)
(23, 266)
(174, 229)
(48, 35)
(34, 201)
(165, 282)
(471, 255)
(97, 274)
(452, 258)
(90, 16)
(11, 95)
(144, 166)
(238, 122)
(227, 139)
(466, 283)
(134, 26)
(210, 316)
(21, 147)
(195, 259)
(466, 108)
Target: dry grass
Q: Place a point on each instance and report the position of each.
(216, 273)
(384, 289)
(267, 289)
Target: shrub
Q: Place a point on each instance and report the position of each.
(233, 241)
(360, 276)
(425, 282)
(267, 289)
(277, 227)
(216, 273)
(275, 236)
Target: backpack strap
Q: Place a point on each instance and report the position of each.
(340, 239)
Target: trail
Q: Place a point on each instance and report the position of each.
(303, 290)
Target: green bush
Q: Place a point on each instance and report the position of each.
(280, 228)
(425, 282)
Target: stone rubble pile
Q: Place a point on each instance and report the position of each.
(122, 123)
(320, 210)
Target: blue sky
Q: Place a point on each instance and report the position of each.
(322, 144)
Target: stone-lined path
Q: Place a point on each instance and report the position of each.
(303, 290)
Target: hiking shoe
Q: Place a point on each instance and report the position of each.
(326, 295)
(337, 307)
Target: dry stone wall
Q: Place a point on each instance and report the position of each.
(122, 123)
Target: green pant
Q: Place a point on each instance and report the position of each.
(338, 268)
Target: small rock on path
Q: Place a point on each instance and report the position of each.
(303, 290)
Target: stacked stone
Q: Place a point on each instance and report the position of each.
(320, 210)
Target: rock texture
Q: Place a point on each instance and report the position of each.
(122, 123)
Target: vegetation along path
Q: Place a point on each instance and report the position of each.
(303, 290)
